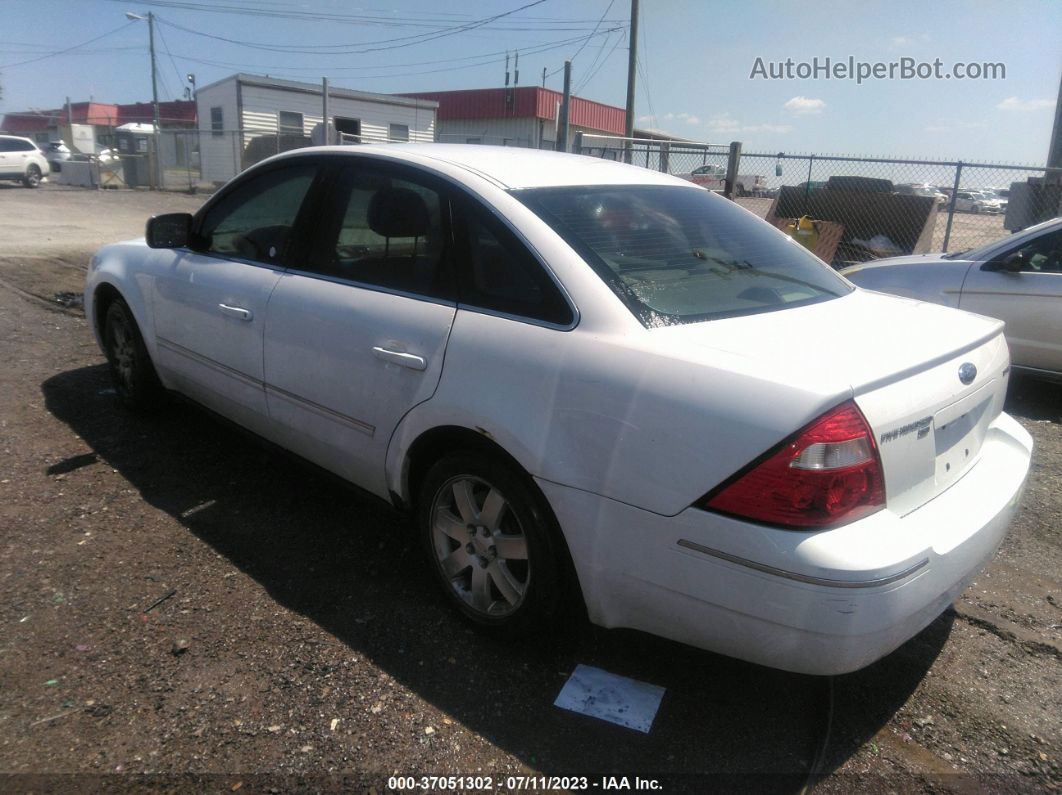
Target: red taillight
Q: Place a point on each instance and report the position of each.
(825, 475)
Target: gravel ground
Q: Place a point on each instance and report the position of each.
(183, 608)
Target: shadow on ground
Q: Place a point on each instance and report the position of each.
(350, 566)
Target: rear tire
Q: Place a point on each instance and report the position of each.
(32, 179)
(489, 540)
(132, 372)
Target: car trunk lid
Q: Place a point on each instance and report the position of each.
(900, 360)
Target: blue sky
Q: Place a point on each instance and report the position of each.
(696, 57)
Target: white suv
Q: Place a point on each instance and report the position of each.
(21, 159)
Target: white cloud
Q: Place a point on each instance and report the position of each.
(956, 127)
(688, 118)
(1013, 103)
(726, 124)
(804, 105)
(900, 42)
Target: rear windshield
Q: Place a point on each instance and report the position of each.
(682, 255)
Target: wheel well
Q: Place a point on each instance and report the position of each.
(434, 444)
(105, 295)
(438, 442)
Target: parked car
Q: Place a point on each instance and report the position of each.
(587, 381)
(57, 153)
(21, 160)
(972, 201)
(1017, 279)
(921, 189)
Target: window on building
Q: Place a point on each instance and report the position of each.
(473, 140)
(217, 121)
(349, 129)
(398, 132)
(290, 122)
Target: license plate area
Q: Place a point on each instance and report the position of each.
(958, 432)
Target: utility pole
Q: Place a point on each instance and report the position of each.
(157, 137)
(566, 101)
(1054, 152)
(324, 112)
(157, 132)
(632, 65)
(543, 77)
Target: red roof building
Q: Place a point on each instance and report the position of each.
(44, 125)
(516, 116)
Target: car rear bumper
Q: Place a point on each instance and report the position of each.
(818, 603)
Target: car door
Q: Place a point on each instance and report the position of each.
(355, 333)
(1029, 300)
(210, 304)
(8, 167)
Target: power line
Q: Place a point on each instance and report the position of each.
(386, 20)
(598, 25)
(69, 49)
(166, 47)
(484, 60)
(365, 47)
(593, 74)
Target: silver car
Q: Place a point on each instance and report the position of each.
(1017, 279)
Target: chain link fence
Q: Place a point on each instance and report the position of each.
(863, 207)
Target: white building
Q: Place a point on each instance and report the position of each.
(245, 118)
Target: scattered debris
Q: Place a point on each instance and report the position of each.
(70, 300)
(617, 699)
(54, 717)
(196, 509)
(179, 647)
(335, 722)
(99, 710)
(159, 601)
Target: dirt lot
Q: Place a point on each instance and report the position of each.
(184, 609)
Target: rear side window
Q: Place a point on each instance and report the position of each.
(389, 232)
(681, 255)
(499, 273)
(254, 220)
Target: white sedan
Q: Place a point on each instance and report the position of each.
(587, 381)
(1017, 279)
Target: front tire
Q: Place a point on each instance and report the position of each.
(132, 372)
(32, 179)
(489, 540)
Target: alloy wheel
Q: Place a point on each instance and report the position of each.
(480, 546)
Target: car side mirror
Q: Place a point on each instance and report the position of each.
(1012, 263)
(172, 230)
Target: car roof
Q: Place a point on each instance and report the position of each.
(514, 167)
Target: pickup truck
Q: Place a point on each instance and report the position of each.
(714, 178)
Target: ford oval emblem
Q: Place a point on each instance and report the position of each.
(967, 372)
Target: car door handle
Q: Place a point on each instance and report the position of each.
(410, 360)
(236, 311)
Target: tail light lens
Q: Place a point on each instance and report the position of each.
(825, 475)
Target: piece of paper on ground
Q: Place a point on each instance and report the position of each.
(616, 699)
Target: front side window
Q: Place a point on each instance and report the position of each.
(681, 255)
(1041, 255)
(254, 220)
(7, 145)
(389, 232)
